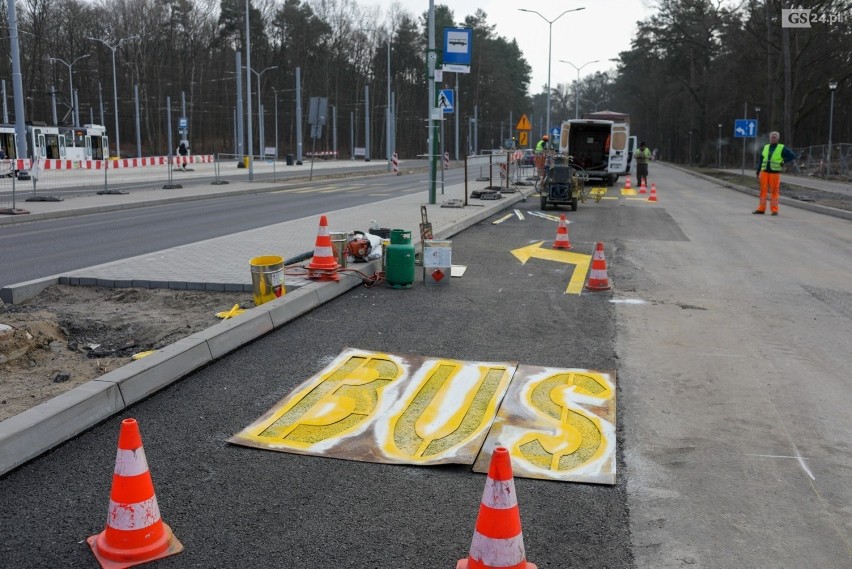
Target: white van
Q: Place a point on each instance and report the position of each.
(600, 147)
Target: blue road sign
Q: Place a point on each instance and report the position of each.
(457, 45)
(445, 100)
(554, 134)
(745, 128)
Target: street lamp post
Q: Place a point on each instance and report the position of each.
(690, 147)
(832, 86)
(577, 91)
(274, 90)
(719, 149)
(595, 103)
(260, 132)
(549, 44)
(75, 112)
(115, 87)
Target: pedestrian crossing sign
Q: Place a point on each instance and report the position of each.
(445, 100)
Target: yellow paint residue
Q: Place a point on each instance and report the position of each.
(335, 405)
(576, 437)
(456, 401)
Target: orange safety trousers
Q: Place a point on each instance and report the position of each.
(772, 182)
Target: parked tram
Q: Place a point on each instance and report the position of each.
(44, 141)
(87, 142)
(8, 141)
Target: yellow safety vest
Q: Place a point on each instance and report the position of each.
(642, 156)
(775, 161)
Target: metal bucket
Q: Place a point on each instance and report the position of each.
(267, 278)
(338, 245)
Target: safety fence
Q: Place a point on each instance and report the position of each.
(487, 176)
(814, 161)
(23, 180)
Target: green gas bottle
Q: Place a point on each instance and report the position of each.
(399, 272)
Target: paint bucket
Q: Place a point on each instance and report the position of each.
(267, 278)
(338, 246)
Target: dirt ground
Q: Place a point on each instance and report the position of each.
(69, 335)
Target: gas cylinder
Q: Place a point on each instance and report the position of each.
(400, 260)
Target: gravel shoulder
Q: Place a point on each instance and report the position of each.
(68, 335)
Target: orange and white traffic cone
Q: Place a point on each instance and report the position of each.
(323, 265)
(497, 540)
(562, 241)
(598, 280)
(642, 188)
(134, 533)
(627, 185)
(653, 196)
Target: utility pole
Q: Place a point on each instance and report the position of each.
(432, 56)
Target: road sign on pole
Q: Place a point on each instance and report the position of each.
(745, 128)
(445, 100)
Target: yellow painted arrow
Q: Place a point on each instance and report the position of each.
(581, 262)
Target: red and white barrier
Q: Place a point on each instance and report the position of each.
(52, 164)
(395, 164)
(446, 160)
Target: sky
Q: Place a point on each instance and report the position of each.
(598, 32)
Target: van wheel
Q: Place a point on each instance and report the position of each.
(543, 202)
(573, 204)
(610, 180)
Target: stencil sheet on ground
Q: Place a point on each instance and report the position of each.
(557, 423)
(386, 408)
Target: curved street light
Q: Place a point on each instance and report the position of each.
(595, 103)
(115, 86)
(261, 133)
(549, 43)
(577, 94)
(75, 112)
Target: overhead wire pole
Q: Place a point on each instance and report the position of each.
(248, 98)
(549, 47)
(432, 56)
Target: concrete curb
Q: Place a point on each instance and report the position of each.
(825, 210)
(27, 435)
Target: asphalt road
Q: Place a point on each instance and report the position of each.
(728, 333)
(237, 507)
(44, 248)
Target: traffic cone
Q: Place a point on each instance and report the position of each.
(497, 540)
(653, 196)
(598, 281)
(642, 188)
(134, 532)
(627, 184)
(562, 241)
(323, 265)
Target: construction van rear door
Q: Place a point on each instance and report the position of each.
(618, 148)
(564, 137)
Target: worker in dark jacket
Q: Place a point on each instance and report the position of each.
(772, 160)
